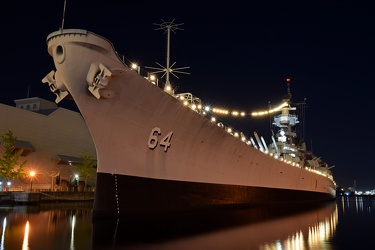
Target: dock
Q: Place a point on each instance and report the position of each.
(49, 196)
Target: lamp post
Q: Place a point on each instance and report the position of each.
(76, 182)
(32, 174)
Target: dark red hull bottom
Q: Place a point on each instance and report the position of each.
(120, 195)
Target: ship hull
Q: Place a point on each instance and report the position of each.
(154, 154)
(129, 196)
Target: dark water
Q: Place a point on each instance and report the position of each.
(347, 223)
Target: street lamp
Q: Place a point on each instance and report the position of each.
(76, 182)
(32, 174)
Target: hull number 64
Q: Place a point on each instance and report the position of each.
(153, 139)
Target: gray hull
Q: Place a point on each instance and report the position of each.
(156, 155)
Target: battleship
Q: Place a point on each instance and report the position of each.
(161, 152)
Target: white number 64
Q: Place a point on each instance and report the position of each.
(153, 139)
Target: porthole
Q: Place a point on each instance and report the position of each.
(60, 55)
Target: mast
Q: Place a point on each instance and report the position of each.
(168, 69)
(63, 17)
(169, 28)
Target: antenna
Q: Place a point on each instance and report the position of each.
(63, 17)
(168, 27)
(289, 94)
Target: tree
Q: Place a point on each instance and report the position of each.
(86, 168)
(10, 168)
(54, 173)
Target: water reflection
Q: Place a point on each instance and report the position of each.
(47, 226)
(357, 204)
(25, 243)
(357, 220)
(310, 230)
(3, 234)
(266, 228)
(70, 226)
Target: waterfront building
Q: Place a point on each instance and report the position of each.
(53, 140)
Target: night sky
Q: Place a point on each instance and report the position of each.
(239, 54)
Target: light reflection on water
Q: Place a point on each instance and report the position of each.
(70, 226)
(48, 226)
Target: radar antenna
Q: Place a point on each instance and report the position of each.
(168, 27)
